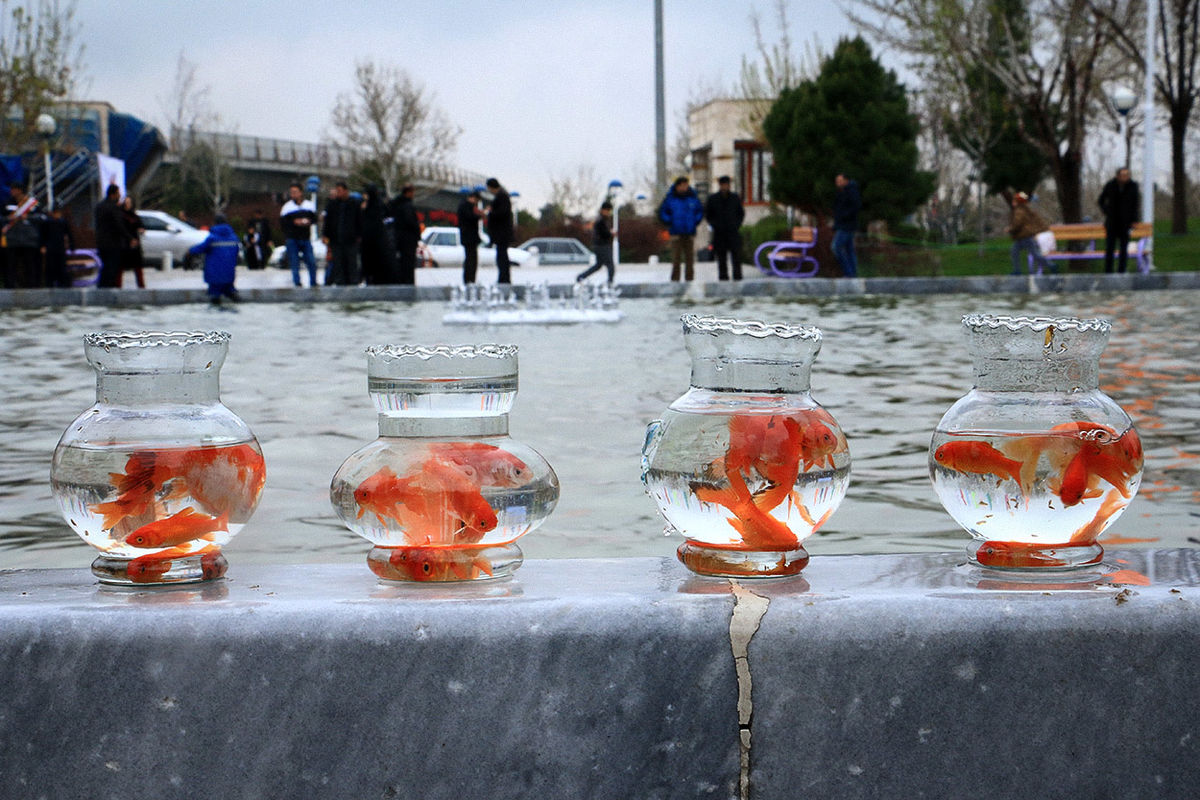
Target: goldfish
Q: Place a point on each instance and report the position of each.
(1100, 455)
(490, 465)
(177, 529)
(759, 530)
(438, 503)
(1112, 504)
(1016, 555)
(979, 458)
(229, 478)
(439, 563)
(146, 472)
(705, 561)
(151, 568)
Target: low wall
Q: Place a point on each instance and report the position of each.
(867, 676)
(777, 287)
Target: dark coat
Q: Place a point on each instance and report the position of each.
(468, 224)
(112, 232)
(724, 211)
(499, 217)
(405, 222)
(343, 221)
(1121, 206)
(846, 205)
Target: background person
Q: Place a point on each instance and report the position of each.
(725, 212)
(342, 234)
(846, 205)
(500, 228)
(112, 237)
(602, 243)
(681, 212)
(1024, 227)
(407, 226)
(468, 234)
(133, 257)
(1121, 201)
(220, 251)
(296, 218)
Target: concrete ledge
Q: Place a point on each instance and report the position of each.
(869, 676)
(753, 287)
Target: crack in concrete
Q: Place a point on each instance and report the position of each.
(748, 611)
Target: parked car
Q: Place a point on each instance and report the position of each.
(279, 255)
(167, 234)
(553, 250)
(444, 249)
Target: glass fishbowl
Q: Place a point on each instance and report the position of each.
(746, 465)
(1035, 462)
(158, 475)
(444, 492)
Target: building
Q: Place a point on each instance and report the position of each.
(722, 141)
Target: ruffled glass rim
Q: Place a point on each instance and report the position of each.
(694, 323)
(497, 351)
(996, 321)
(117, 340)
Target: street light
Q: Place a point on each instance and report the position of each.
(513, 195)
(614, 191)
(46, 126)
(1124, 99)
(313, 185)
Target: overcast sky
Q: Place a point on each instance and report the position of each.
(539, 89)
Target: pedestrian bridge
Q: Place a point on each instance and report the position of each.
(263, 164)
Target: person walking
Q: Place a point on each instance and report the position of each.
(602, 243)
(846, 205)
(342, 234)
(1024, 227)
(500, 228)
(1120, 200)
(407, 226)
(725, 212)
(220, 251)
(112, 237)
(296, 218)
(263, 239)
(681, 212)
(468, 234)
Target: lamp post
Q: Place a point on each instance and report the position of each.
(513, 195)
(614, 191)
(1123, 100)
(46, 126)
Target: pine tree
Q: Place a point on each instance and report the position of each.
(852, 119)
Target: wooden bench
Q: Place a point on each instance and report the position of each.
(1140, 238)
(790, 259)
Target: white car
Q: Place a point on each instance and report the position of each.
(279, 255)
(167, 234)
(445, 249)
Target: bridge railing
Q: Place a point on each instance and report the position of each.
(309, 155)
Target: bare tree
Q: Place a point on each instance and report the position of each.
(774, 68)
(389, 120)
(1056, 57)
(202, 178)
(578, 193)
(1176, 29)
(40, 64)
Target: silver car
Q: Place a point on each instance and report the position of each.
(167, 234)
(558, 250)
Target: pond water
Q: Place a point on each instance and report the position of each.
(889, 369)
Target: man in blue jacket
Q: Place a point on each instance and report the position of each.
(682, 211)
(220, 251)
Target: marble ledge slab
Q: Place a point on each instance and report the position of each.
(867, 676)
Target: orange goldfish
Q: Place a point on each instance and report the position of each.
(151, 568)
(759, 530)
(146, 472)
(177, 529)
(979, 458)
(229, 478)
(1016, 555)
(469, 513)
(384, 492)
(490, 465)
(1113, 503)
(439, 563)
(706, 562)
